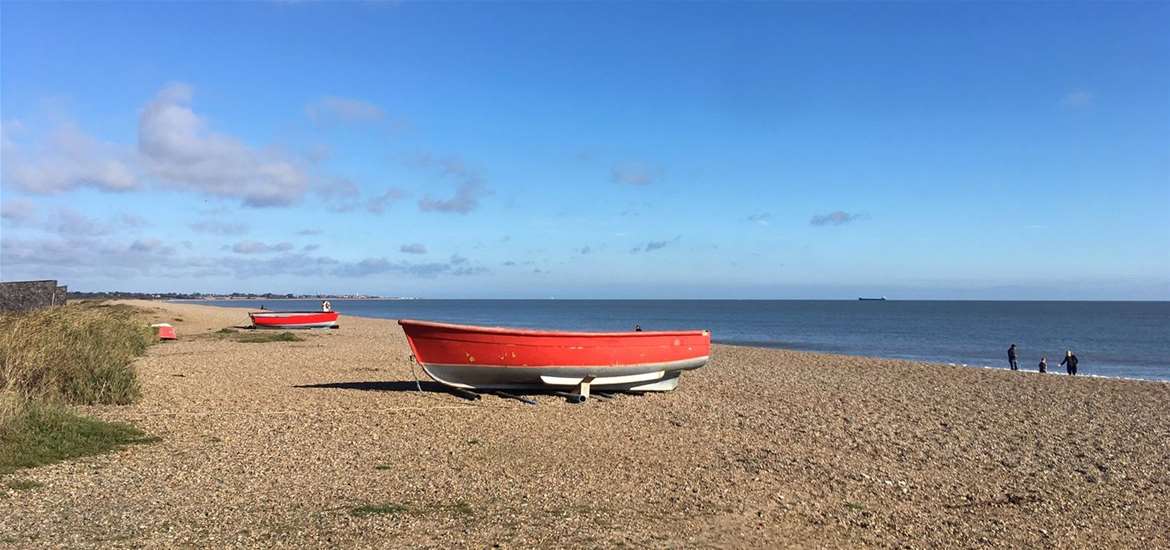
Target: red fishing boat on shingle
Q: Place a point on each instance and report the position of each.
(497, 358)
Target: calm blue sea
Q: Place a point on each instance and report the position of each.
(1120, 339)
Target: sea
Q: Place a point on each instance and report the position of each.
(1112, 339)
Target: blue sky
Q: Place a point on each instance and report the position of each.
(1001, 151)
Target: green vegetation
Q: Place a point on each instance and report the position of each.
(57, 357)
(265, 337)
(255, 336)
(34, 432)
(378, 509)
(459, 507)
(22, 484)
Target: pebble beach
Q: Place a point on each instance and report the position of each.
(327, 442)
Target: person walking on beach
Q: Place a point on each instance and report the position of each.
(1012, 358)
(1043, 364)
(1070, 360)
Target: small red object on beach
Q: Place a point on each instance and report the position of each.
(165, 331)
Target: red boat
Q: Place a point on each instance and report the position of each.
(294, 319)
(498, 358)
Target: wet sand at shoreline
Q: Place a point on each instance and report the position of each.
(282, 444)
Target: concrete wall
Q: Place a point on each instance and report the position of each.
(29, 295)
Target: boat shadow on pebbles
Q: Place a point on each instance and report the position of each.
(431, 388)
(394, 386)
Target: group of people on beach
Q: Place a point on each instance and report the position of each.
(1069, 362)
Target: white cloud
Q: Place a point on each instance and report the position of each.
(343, 109)
(178, 149)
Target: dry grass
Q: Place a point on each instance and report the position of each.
(56, 357)
(79, 354)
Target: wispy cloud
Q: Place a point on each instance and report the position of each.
(339, 194)
(67, 160)
(838, 217)
(470, 186)
(413, 248)
(219, 228)
(71, 222)
(257, 247)
(378, 266)
(309, 232)
(87, 257)
(134, 221)
(152, 246)
(97, 258)
(762, 218)
(68, 221)
(654, 245)
(379, 204)
(584, 250)
(18, 211)
(635, 173)
(334, 109)
(1078, 99)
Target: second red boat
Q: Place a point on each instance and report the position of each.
(294, 319)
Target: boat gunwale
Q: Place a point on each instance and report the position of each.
(546, 333)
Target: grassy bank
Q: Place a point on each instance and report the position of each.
(51, 359)
(75, 354)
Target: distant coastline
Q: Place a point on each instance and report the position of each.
(285, 299)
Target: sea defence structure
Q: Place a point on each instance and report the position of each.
(30, 295)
